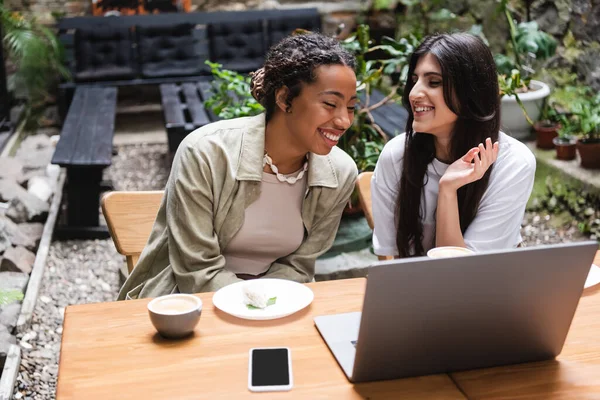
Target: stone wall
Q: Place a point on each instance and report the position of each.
(579, 22)
(573, 21)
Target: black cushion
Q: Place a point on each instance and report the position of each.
(172, 50)
(238, 46)
(104, 53)
(278, 28)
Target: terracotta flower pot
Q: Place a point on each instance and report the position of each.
(589, 151)
(565, 150)
(545, 133)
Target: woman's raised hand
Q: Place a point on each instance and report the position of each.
(471, 167)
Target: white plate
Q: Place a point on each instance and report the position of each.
(291, 297)
(593, 277)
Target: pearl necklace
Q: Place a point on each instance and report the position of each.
(281, 177)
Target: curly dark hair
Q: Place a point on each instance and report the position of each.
(292, 62)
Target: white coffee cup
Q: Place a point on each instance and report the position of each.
(449, 251)
(175, 315)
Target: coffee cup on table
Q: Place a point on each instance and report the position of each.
(449, 251)
(175, 315)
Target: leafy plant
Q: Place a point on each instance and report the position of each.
(587, 116)
(549, 115)
(578, 111)
(568, 98)
(567, 130)
(37, 56)
(10, 296)
(231, 96)
(511, 86)
(527, 44)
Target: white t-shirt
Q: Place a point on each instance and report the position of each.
(497, 224)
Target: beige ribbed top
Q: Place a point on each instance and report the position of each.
(272, 227)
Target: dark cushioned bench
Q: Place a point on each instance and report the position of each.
(85, 150)
(171, 48)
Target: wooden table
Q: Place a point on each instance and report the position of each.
(111, 351)
(575, 374)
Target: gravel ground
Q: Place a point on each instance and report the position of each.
(541, 228)
(139, 167)
(79, 272)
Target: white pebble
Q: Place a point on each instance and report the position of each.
(105, 286)
(26, 345)
(45, 299)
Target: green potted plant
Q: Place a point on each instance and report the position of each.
(546, 128)
(588, 145)
(565, 142)
(522, 97)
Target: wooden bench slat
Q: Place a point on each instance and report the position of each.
(172, 107)
(194, 105)
(94, 139)
(103, 138)
(68, 137)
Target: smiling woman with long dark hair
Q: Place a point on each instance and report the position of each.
(453, 179)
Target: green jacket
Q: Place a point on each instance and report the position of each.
(216, 174)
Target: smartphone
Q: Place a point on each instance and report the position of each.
(270, 369)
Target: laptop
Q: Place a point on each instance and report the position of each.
(426, 316)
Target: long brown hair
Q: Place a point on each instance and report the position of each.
(470, 86)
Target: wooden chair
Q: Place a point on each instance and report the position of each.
(363, 187)
(130, 217)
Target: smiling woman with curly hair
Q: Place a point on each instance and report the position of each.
(258, 196)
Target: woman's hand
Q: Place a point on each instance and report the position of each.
(471, 167)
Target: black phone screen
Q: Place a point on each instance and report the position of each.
(270, 367)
